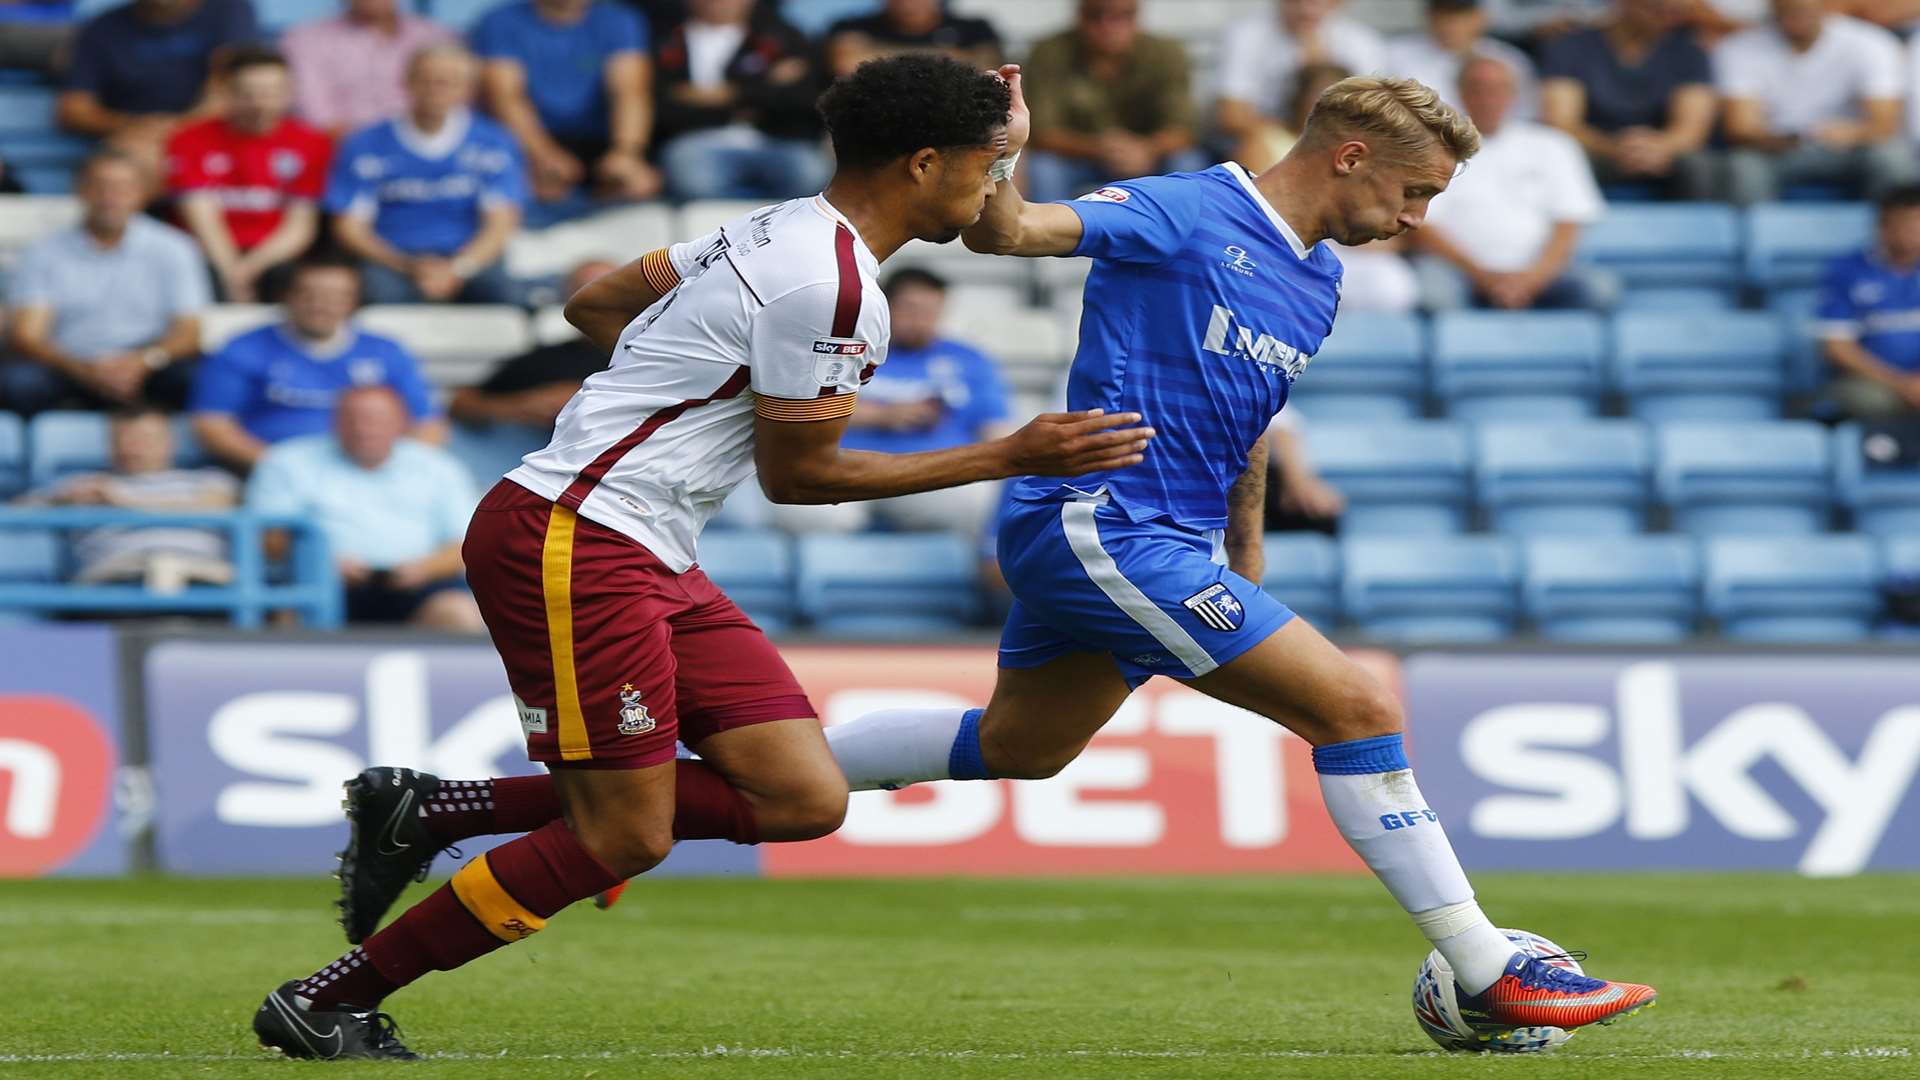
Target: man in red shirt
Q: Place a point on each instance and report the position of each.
(248, 182)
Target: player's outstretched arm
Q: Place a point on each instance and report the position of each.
(602, 309)
(803, 462)
(1011, 225)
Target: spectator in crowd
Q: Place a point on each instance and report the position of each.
(350, 72)
(1298, 499)
(911, 26)
(248, 183)
(282, 381)
(141, 68)
(1270, 139)
(931, 394)
(394, 511)
(1869, 316)
(1457, 31)
(1812, 98)
(532, 388)
(572, 81)
(736, 96)
(1504, 233)
(34, 34)
(106, 312)
(141, 476)
(1108, 102)
(429, 199)
(1637, 92)
(1259, 56)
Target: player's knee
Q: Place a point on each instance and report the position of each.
(1368, 711)
(819, 811)
(627, 846)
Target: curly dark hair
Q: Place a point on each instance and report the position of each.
(895, 106)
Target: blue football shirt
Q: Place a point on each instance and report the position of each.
(1875, 304)
(279, 388)
(566, 65)
(425, 193)
(1202, 308)
(961, 379)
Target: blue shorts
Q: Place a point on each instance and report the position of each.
(1159, 598)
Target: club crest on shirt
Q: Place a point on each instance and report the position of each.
(1216, 606)
(1106, 194)
(634, 718)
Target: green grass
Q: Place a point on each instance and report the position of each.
(1244, 977)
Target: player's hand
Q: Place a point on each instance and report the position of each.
(1069, 444)
(1019, 120)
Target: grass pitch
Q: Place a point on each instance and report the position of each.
(1246, 977)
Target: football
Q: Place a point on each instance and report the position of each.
(1439, 1015)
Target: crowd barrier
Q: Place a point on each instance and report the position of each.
(222, 753)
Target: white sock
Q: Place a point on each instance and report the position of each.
(896, 747)
(1372, 797)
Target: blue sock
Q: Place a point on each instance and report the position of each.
(965, 761)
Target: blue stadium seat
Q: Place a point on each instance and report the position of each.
(1370, 368)
(1728, 365)
(45, 179)
(1493, 365)
(1884, 501)
(1432, 589)
(1303, 572)
(1728, 479)
(1588, 478)
(61, 444)
(888, 585)
(44, 149)
(459, 14)
(277, 15)
(1789, 245)
(27, 110)
(1401, 478)
(13, 456)
(29, 557)
(755, 568)
(1624, 589)
(1794, 588)
(1676, 298)
(1656, 246)
(1900, 559)
(815, 16)
(1807, 370)
(490, 451)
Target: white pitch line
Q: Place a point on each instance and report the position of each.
(792, 1053)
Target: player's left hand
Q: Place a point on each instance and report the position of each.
(1019, 120)
(1070, 444)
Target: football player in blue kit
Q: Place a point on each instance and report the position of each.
(1209, 293)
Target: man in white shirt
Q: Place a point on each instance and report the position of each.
(1259, 55)
(1812, 98)
(1503, 235)
(1456, 31)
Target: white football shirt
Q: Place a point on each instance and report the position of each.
(777, 313)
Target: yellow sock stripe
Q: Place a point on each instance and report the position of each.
(481, 893)
(657, 266)
(556, 573)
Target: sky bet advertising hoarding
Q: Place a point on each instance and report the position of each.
(59, 752)
(1541, 759)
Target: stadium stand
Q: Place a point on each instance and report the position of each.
(1884, 501)
(1303, 569)
(884, 586)
(1656, 248)
(60, 444)
(1442, 588)
(1519, 365)
(1579, 479)
(13, 455)
(756, 568)
(1626, 590)
(1751, 479)
(1372, 368)
(1668, 370)
(1788, 244)
(1404, 478)
(1803, 588)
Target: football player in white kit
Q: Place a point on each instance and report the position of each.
(742, 349)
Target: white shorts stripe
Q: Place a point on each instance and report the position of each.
(1084, 536)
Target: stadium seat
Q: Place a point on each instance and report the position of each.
(700, 218)
(1372, 367)
(618, 236)
(814, 16)
(61, 444)
(888, 585)
(222, 323)
(29, 557)
(1807, 370)
(1018, 337)
(1588, 478)
(1900, 560)
(1303, 572)
(1431, 589)
(1657, 246)
(456, 344)
(1789, 245)
(26, 218)
(971, 305)
(1535, 365)
(1617, 589)
(45, 181)
(459, 14)
(279, 14)
(549, 325)
(1729, 365)
(1729, 479)
(13, 456)
(490, 451)
(1884, 501)
(1796, 588)
(755, 567)
(1676, 298)
(1410, 477)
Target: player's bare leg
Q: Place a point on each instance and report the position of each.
(785, 772)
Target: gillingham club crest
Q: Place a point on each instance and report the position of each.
(1217, 607)
(634, 718)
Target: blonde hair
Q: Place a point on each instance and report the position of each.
(1406, 116)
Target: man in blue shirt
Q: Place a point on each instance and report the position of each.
(429, 199)
(282, 381)
(572, 81)
(932, 393)
(1210, 292)
(1869, 316)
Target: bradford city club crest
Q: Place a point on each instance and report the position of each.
(634, 718)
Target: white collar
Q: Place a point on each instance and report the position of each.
(439, 144)
(1300, 250)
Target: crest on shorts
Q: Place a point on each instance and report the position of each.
(634, 718)
(1217, 607)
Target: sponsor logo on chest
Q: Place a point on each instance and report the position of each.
(1226, 337)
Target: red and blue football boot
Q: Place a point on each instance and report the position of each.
(1537, 993)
